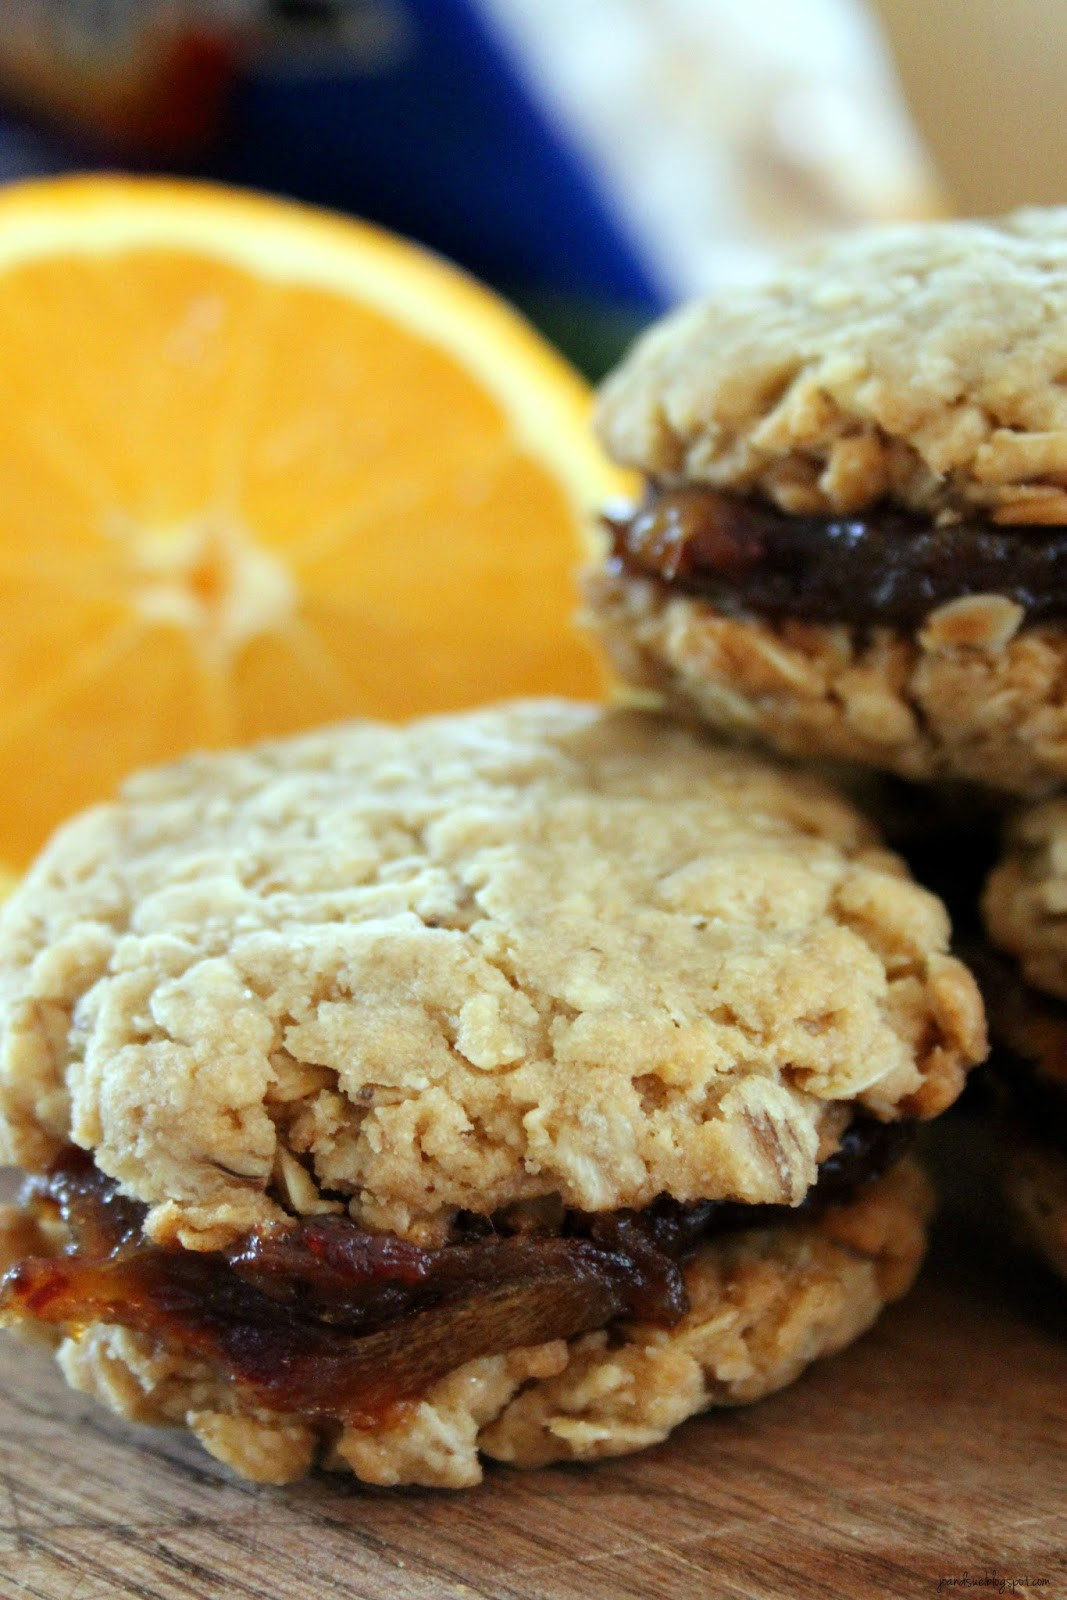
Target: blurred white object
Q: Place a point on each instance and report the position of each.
(724, 131)
(985, 80)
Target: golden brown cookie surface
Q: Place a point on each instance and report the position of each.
(539, 950)
(921, 363)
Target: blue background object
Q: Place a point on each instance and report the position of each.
(441, 139)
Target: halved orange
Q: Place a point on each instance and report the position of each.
(261, 467)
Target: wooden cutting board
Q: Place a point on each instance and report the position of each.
(935, 1449)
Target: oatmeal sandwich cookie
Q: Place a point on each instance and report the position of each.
(853, 541)
(513, 1083)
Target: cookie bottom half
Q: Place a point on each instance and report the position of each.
(764, 1303)
(968, 695)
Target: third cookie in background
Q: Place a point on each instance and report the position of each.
(854, 534)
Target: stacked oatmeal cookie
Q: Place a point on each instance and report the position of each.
(518, 1083)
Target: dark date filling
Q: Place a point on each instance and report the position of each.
(884, 567)
(321, 1318)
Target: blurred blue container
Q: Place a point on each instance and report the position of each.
(413, 113)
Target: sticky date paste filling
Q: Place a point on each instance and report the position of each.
(882, 567)
(316, 1316)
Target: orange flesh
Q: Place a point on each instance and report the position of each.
(234, 503)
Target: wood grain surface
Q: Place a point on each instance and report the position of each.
(935, 1449)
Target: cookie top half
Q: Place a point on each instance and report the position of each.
(923, 364)
(539, 950)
